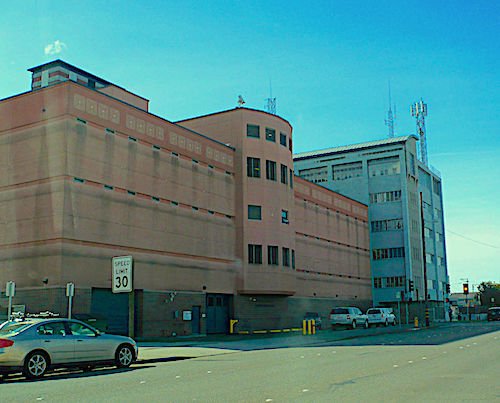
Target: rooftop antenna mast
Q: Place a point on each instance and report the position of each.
(271, 102)
(389, 122)
(419, 111)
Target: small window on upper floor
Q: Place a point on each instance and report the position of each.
(271, 170)
(283, 139)
(284, 216)
(270, 134)
(254, 212)
(253, 131)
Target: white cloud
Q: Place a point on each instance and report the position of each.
(55, 48)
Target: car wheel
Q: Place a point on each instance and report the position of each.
(386, 323)
(124, 356)
(354, 324)
(35, 365)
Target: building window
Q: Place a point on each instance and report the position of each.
(412, 164)
(272, 255)
(286, 257)
(387, 225)
(254, 254)
(428, 232)
(347, 171)
(385, 197)
(429, 258)
(270, 134)
(291, 178)
(393, 282)
(253, 167)
(270, 170)
(284, 216)
(315, 175)
(284, 174)
(388, 253)
(253, 131)
(254, 212)
(377, 282)
(283, 139)
(293, 259)
(436, 186)
(290, 144)
(384, 167)
(440, 261)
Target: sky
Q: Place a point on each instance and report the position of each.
(328, 63)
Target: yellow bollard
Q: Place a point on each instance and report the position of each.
(313, 326)
(309, 323)
(304, 327)
(416, 321)
(232, 322)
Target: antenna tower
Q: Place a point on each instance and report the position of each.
(271, 102)
(419, 111)
(389, 122)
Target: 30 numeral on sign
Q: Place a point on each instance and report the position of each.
(122, 274)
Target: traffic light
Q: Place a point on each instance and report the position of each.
(447, 289)
(410, 285)
(466, 288)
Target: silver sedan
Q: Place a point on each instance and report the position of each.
(34, 346)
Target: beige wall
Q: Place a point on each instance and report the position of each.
(60, 221)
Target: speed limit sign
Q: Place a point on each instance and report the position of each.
(122, 274)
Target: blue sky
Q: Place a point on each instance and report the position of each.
(329, 64)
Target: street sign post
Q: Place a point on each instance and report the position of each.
(122, 274)
(70, 292)
(10, 291)
(123, 281)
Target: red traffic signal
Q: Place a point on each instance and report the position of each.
(466, 288)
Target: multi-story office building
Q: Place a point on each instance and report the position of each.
(399, 192)
(209, 209)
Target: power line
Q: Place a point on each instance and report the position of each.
(473, 240)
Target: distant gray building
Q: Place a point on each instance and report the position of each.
(387, 176)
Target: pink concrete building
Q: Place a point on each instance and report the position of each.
(217, 224)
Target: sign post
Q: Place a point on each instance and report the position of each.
(70, 292)
(10, 291)
(122, 279)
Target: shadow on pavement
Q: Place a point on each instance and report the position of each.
(73, 374)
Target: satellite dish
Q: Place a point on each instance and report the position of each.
(241, 101)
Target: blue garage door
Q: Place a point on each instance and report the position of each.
(218, 313)
(114, 307)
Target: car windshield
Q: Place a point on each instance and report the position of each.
(339, 311)
(373, 311)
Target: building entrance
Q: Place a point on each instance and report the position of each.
(217, 308)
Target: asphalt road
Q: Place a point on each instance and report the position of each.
(466, 369)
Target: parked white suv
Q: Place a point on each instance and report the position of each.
(381, 316)
(348, 316)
